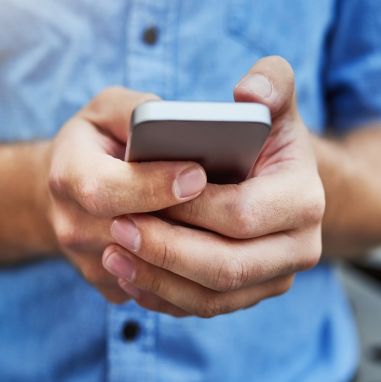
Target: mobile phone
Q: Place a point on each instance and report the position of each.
(224, 138)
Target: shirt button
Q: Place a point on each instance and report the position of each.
(130, 331)
(150, 35)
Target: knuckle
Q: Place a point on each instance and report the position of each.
(311, 252)
(68, 236)
(110, 93)
(192, 211)
(112, 90)
(241, 217)
(117, 300)
(314, 205)
(89, 197)
(103, 103)
(232, 274)
(113, 294)
(312, 259)
(316, 250)
(146, 97)
(150, 197)
(154, 285)
(117, 94)
(165, 256)
(179, 314)
(147, 304)
(92, 273)
(56, 182)
(209, 307)
(151, 302)
(94, 195)
(283, 285)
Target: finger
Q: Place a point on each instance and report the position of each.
(215, 261)
(111, 110)
(283, 191)
(119, 265)
(106, 186)
(151, 301)
(255, 207)
(113, 293)
(270, 82)
(151, 287)
(89, 265)
(77, 231)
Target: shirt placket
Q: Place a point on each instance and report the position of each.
(151, 46)
(150, 35)
(131, 343)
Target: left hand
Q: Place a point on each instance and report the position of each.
(264, 230)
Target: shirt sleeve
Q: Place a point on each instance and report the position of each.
(353, 72)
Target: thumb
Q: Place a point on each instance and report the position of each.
(270, 82)
(111, 110)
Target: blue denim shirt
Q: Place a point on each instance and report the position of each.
(55, 56)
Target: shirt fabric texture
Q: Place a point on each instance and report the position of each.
(55, 56)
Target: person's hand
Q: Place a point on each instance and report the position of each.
(265, 229)
(90, 184)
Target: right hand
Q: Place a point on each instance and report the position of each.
(89, 183)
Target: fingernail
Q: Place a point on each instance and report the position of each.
(257, 84)
(190, 182)
(130, 289)
(121, 266)
(126, 234)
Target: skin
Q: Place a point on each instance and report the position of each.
(350, 171)
(72, 194)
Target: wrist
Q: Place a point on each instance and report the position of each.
(47, 242)
(25, 229)
(338, 170)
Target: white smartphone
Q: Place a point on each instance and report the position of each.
(224, 138)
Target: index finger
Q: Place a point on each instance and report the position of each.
(256, 207)
(112, 108)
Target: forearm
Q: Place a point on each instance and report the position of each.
(25, 232)
(351, 173)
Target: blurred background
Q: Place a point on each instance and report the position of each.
(363, 284)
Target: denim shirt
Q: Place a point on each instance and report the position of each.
(55, 55)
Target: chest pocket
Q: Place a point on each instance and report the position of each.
(291, 29)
